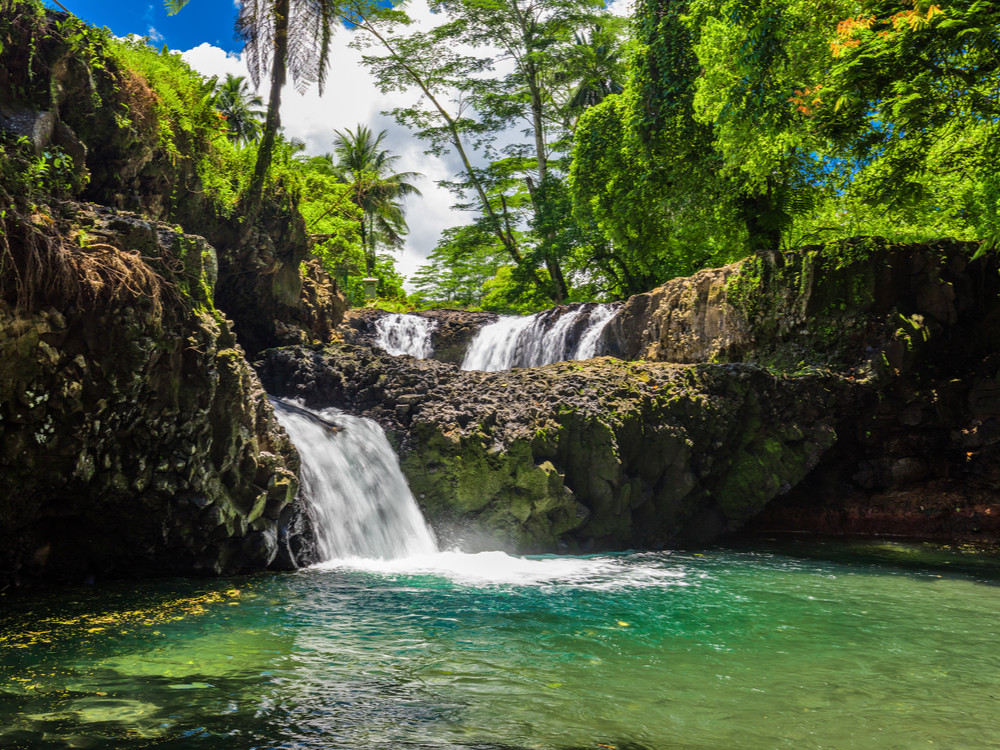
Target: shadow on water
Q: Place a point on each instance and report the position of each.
(922, 559)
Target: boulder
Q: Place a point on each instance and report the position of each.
(914, 328)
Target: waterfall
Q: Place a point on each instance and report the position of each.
(405, 334)
(590, 341)
(540, 339)
(350, 475)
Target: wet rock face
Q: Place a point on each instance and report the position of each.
(920, 456)
(915, 327)
(576, 456)
(135, 440)
(455, 329)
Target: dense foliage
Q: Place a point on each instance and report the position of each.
(197, 139)
(597, 158)
(501, 85)
(756, 126)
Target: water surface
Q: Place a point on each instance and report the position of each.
(883, 645)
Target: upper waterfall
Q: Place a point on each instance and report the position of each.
(540, 339)
(400, 334)
(361, 504)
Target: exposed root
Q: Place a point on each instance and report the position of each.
(39, 266)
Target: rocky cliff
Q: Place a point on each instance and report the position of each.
(134, 437)
(849, 388)
(914, 327)
(577, 456)
(67, 93)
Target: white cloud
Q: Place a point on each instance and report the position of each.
(623, 8)
(154, 35)
(214, 61)
(351, 98)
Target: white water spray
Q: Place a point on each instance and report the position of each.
(405, 334)
(361, 504)
(539, 339)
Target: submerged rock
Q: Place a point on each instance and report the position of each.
(601, 454)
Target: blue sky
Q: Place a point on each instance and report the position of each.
(209, 21)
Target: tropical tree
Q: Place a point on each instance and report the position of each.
(367, 167)
(489, 71)
(913, 94)
(281, 38)
(240, 106)
(645, 173)
(594, 68)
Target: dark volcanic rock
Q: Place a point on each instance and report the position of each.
(455, 330)
(917, 327)
(597, 455)
(134, 438)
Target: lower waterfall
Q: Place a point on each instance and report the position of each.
(360, 501)
(540, 339)
(400, 334)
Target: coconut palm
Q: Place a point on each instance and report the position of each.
(240, 107)
(363, 164)
(596, 69)
(282, 38)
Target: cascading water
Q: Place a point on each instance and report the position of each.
(361, 503)
(539, 339)
(405, 334)
(590, 341)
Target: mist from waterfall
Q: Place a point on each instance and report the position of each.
(540, 339)
(402, 334)
(359, 499)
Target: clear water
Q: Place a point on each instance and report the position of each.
(402, 334)
(535, 340)
(803, 646)
(361, 504)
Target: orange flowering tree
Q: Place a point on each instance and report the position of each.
(913, 92)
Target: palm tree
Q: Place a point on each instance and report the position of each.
(595, 68)
(363, 164)
(240, 107)
(280, 37)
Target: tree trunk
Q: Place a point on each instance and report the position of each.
(760, 219)
(496, 222)
(558, 291)
(273, 120)
(369, 256)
